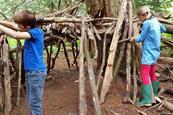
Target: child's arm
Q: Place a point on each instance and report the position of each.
(162, 28)
(143, 34)
(9, 24)
(15, 34)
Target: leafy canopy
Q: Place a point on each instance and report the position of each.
(10, 7)
(156, 5)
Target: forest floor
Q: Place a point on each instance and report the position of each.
(61, 95)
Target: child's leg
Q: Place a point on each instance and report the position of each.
(146, 87)
(145, 74)
(155, 83)
(153, 73)
(36, 80)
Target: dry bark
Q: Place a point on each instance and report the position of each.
(165, 60)
(165, 104)
(168, 42)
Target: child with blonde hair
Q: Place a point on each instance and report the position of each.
(151, 38)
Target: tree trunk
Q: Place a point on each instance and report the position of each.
(112, 51)
(103, 8)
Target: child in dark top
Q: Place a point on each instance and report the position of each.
(35, 69)
(151, 38)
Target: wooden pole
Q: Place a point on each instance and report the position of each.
(7, 82)
(128, 58)
(1, 93)
(110, 28)
(1, 80)
(96, 101)
(109, 68)
(122, 48)
(135, 88)
(18, 73)
(82, 93)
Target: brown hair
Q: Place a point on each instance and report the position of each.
(26, 18)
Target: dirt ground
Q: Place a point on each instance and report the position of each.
(61, 95)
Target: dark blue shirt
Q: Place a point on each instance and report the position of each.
(33, 50)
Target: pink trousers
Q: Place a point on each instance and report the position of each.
(148, 74)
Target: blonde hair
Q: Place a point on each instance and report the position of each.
(143, 10)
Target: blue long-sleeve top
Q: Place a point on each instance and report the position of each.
(151, 38)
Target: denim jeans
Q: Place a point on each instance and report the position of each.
(35, 81)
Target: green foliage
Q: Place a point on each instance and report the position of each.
(42, 7)
(156, 5)
(13, 42)
(165, 50)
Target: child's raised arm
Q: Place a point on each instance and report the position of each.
(15, 34)
(9, 24)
